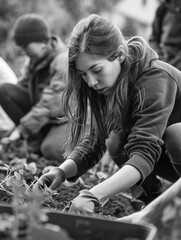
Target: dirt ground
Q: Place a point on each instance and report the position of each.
(16, 156)
(118, 206)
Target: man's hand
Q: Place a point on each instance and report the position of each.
(84, 202)
(15, 135)
(52, 179)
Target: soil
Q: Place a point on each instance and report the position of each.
(115, 207)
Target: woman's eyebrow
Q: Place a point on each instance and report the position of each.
(88, 68)
(94, 65)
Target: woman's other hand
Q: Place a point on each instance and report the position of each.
(84, 202)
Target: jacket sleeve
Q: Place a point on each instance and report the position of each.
(23, 79)
(49, 106)
(150, 122)
(86, 155)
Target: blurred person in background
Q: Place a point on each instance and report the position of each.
(34, 103)
(7, 75)
(165, 38)
(135, 114)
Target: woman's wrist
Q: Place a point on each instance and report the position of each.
(62, 174)
(69, 167)
(98, 195)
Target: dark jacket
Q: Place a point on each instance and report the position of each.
(165, 38)
(45, 81)
(161, 85)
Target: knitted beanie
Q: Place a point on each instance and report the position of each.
(30, 28)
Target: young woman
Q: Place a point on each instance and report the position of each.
(134, 104)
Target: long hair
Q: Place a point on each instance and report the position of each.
(99, 36)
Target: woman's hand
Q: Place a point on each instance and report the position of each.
(84, 202)
(52, 179)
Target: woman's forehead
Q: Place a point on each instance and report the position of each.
(86, 61)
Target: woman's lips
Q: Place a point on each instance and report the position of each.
(102, 91)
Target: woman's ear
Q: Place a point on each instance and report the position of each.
(121, 58)
(121, 54)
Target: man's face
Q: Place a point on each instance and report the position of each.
(35, 50)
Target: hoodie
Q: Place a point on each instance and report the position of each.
(160, 85)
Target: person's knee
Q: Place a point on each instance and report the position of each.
(52, 151)
(46, 150)
(172, 141)
(53, 145)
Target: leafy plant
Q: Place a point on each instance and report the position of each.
(28, 216)
(171, 219)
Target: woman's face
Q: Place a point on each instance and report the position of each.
(99, 73)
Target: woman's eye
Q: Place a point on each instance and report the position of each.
(97, 70)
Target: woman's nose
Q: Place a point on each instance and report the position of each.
(92, 81)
